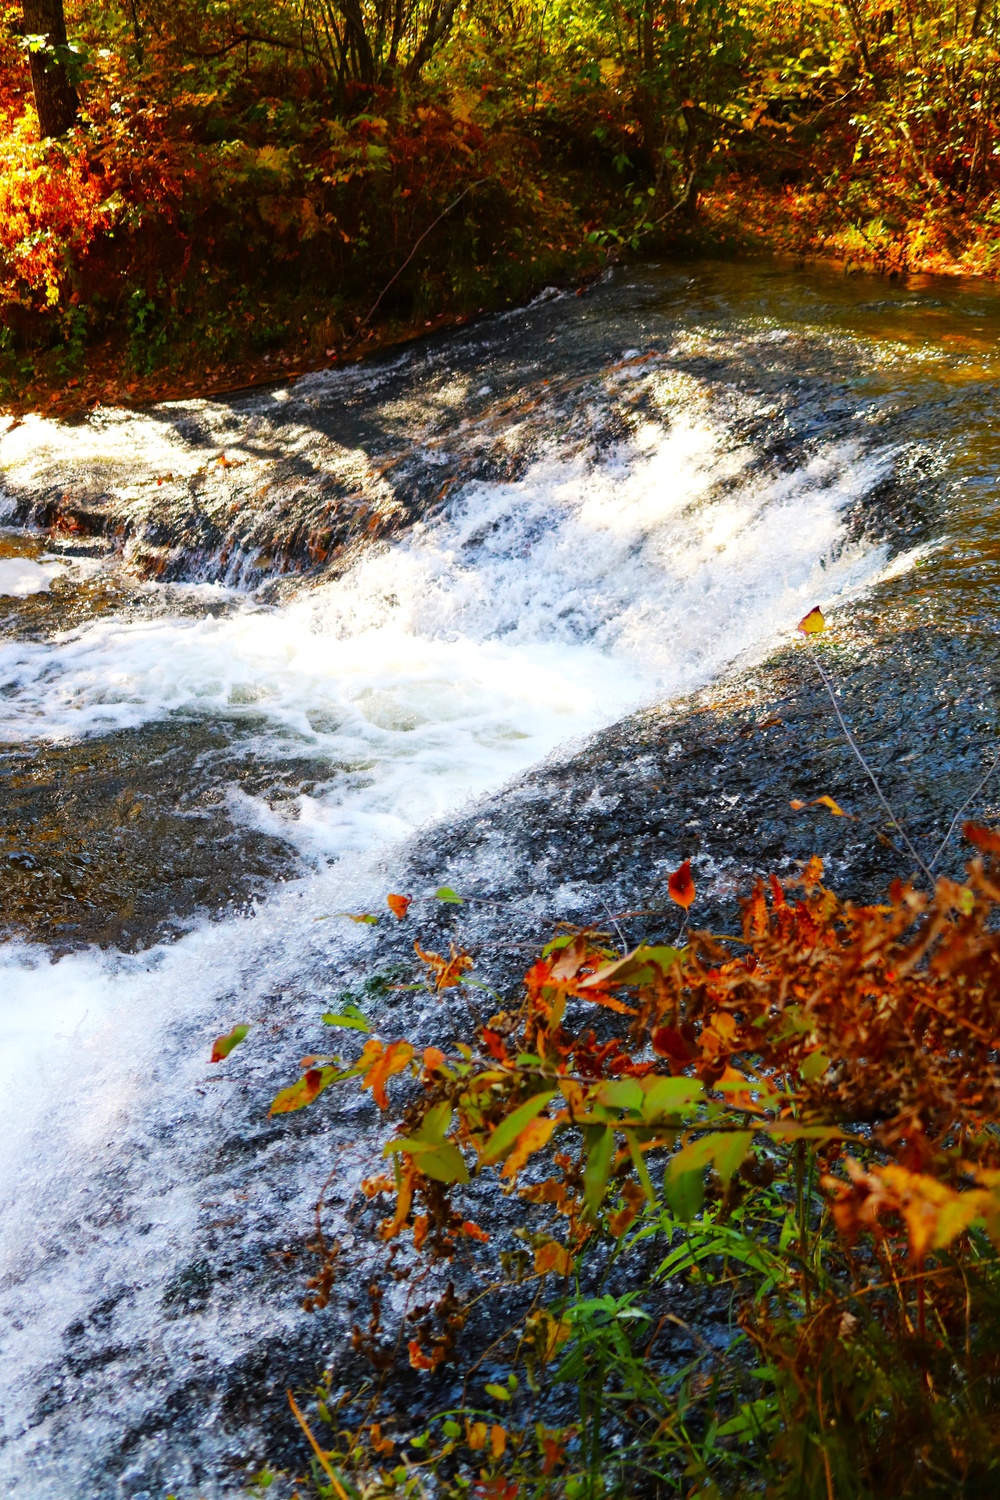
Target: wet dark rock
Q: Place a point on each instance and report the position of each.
(125, 839)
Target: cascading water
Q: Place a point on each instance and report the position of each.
(657, 526)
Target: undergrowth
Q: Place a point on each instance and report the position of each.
(737, 1210)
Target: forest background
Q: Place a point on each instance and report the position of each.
(195, 194)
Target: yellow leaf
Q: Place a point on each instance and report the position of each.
(813, 622)
(389, 1228)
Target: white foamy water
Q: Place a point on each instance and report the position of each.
(20, 577)
(532, 613)
(529, 614)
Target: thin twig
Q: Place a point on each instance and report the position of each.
(338, 1487)
(969, 799)
(372, 310)
(867, 768)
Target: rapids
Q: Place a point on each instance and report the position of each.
(265, 659)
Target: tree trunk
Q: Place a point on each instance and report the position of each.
(55, 96)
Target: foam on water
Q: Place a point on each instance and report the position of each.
(528, 614)
(531, 613)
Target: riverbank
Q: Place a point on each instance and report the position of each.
(739, 217)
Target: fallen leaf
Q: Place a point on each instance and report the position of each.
(398, 905)
(828, 802)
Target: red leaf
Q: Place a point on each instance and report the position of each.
(983, 838)
(669, 1042)
(680, 886)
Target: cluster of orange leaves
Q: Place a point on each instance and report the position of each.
(869, 1034)
(829, 1019)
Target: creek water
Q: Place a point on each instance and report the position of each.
(255, 652)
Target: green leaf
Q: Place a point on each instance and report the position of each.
(350, 1016)
(639, 1163)
(814, 1066)
(498, 1392)
(684, 1193)
(223, 1045)
(507, 1132)
(451, 1429)
(671, 1096)
(435, 1124)
(444, 1163)
(363, 916)
(731, 1152)
(595, 1174)
(445, 893)
(723, 1149)
(624, 1093)
(638, 967)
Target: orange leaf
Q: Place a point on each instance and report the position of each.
(473, 1232)
(398, 905)
(680, 886)
(812, 623)
(393, 1060)
(433, 1058)
(533, 1137)
(553, 1257)
(418, 1359)
(475, 1434)
(610, 1002)
(498, 1440)
(983, 838)
(627, 1215)
(381, 1444)
(421, 1225)
(389, 1228)
(446, 972)
(838, 812)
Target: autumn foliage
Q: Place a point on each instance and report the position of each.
(277, 175)
(835, 1071)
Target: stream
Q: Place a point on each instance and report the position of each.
(512, 610)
